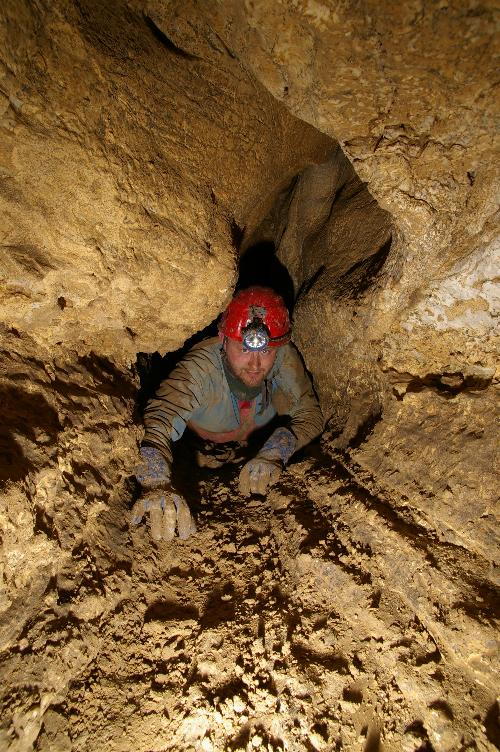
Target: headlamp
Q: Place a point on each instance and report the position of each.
(255, 335)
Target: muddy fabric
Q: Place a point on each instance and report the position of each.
(197, 392)
(280, 445)
(246, 419)
(215, 455)
(152, 470)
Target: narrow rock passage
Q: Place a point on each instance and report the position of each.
(146, 147)
(304, 621)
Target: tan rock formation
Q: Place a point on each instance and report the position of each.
(143, 147)
(122, 167)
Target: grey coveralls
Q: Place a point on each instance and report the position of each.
(197, 393)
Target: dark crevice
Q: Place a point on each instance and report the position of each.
(29, 422)
(237, 233)
(259, 265)
(353, 694)
(242, 738)
(224, 690)
(166, 41)
(170, 611)
(365, 429)
(308, 284)
(373, 741)
(448, 384)
(418, 731)
(331, 661)
(492, 724)
(217, 610)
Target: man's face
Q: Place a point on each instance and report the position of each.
(249, 367)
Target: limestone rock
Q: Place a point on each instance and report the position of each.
(146, 148)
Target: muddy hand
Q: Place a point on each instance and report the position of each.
(167, 511)
(185, 522)
(258, 475)
(264, 470)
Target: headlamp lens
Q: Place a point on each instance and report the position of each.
(255, 337)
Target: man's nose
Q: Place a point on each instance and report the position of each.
(255, 360)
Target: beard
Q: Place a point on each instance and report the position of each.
(246, 389)
(250, 378)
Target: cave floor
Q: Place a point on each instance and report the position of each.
(278, 626)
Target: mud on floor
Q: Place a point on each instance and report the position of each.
(304, 621)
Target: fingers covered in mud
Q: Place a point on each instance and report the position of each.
(167, 512)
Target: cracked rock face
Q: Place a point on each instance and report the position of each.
(121, 167)
(146, 149)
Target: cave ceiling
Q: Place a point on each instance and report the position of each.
(145, 149)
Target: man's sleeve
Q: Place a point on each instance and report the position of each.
(301, 403)
(176, 399)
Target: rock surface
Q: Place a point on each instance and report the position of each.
(144, 147)
(121, 167)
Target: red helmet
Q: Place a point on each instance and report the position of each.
(257, 317)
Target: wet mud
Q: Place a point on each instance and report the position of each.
(308, 620)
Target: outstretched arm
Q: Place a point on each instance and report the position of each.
(294, 397)
(165, 419)
(298, 400)
(176, 399)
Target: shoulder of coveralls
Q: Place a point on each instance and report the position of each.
(198, 376)
(280, 356)
(287, 355)
(305, 410)
(202, 363)
(289, 372)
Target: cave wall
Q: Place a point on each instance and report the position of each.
(121, 167)
(140, 144)
(67, 443)
(402, 341)
(404, 352)
(411, 101)
(122, 199)
(408, 92)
